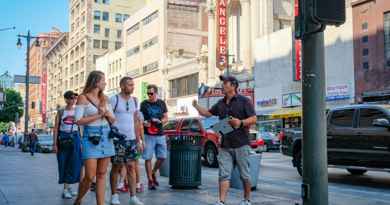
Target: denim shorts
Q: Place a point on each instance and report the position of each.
(125, 151)
(155, 145)
(104, 149)
(228, 158)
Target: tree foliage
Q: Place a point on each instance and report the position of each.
(13, 106)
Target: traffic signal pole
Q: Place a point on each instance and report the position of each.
(314, 143)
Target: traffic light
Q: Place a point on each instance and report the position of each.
(315, 14)
(329, 12)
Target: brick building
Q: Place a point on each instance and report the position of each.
(371, 31)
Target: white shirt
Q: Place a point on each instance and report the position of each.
(124, 114)
(67, 120)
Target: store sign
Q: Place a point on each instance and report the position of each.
(267, 103)
(222, 34)
(337, 92)
(298, 61)
(292, 100)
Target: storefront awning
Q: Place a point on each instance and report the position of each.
(286, 113)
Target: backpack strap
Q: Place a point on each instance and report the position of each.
(117, 102)
(60, 114)
(135, 102)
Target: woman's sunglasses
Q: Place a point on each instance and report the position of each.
(150, 94)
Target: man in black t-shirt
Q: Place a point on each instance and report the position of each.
(154, 112)
(235, 148)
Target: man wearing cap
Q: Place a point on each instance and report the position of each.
(235, 148)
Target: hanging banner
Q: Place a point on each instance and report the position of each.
(43, 95)
(222, 34)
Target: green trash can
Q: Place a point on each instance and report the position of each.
(185, 162)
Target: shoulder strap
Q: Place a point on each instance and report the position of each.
(97, 109)
(60, 113)
(136, 102)
(117, 102)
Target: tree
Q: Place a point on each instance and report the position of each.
(13, 105)
(4, 127)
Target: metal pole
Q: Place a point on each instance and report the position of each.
(26, 115)
(315, 171)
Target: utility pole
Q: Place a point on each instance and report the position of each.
(312, 19)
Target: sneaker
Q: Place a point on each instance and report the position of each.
(115, 200)
(73, 193)
(66, 195)
(124, 189)
(140, 188)
(120, 186)
(135, 201)
(151, 185)
(155, 179)
(245, 202)
(219, 203)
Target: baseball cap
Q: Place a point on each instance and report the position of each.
(69, 94)
(233, 80)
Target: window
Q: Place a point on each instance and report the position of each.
(386, 29)
(107, 32)
(133, 29)
(95, 57)
(365, 52)
(106, 2)
(106, 16)
(366, 65)
(150, 67)
(365, 26)
(96, 43)
(119, 34)
(150, 42)
(150, 18)
(125, 17)
(342, 118)
(367, 117)
(96, 15)
(184, 86)
(105, 44)
(365, 39)
(118, 45)
(133, 51)
(118, 18)
(96, 28)
(171, 125)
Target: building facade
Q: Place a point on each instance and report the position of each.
(55, 67)
(6, 80)
(371, 31)
(38, 67)
(95, 28)
(278, 93)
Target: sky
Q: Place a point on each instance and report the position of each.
(34, 15)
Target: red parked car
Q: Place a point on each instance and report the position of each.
(210, 140)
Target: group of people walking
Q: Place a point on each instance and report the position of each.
(93, 130)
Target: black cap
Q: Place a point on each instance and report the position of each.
(233, 80)
(70, 94)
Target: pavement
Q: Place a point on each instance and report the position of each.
(32, 180)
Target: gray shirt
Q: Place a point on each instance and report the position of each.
(124, 111)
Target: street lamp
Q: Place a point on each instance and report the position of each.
(28, 38)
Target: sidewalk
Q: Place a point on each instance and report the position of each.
(27, 180)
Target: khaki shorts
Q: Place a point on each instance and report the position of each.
(229, 158)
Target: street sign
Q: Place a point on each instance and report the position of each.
(22, 79)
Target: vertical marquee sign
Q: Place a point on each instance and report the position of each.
(297, 67)
(222, 34)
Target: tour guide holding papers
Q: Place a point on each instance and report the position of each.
(235, 147)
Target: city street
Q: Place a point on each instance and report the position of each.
(32, 180)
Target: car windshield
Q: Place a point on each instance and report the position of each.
(210, 121)
(45, 138)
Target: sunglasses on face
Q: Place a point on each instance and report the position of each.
(150, 94)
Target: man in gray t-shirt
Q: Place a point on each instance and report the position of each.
(127, 121)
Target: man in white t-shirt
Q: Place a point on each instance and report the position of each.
(127, 121)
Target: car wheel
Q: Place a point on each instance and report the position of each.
(298, 162)
(356, 172)
(211, 155)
